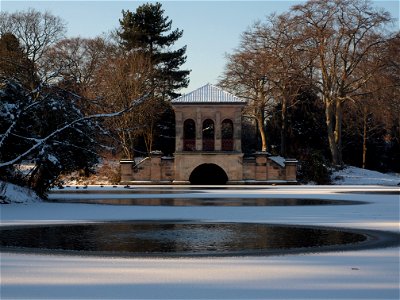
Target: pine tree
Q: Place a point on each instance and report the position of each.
(14, 63)
(148, 31)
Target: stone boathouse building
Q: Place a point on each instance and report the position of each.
(208, 147)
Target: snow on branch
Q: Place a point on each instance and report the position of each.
(14, 123)
(40, 142)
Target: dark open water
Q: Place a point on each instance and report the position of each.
(183, 238)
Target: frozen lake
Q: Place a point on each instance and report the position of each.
(367, 274)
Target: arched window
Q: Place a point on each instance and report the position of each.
(227, 135)
(189, 135)
(208, 135)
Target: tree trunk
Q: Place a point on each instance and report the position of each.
(338, 131)
(283, 127)
(148, 138)
(126, 143)
(260, 123)
(364, 148)
(329, 119)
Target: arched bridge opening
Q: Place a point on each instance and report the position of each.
(208, 174)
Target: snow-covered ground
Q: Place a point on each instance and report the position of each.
(366, 274)
(352, 175)
(16, 194)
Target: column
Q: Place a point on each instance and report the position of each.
(178, 131)
(199, 131)
(217, 131)
(291, 169)
(237, 132)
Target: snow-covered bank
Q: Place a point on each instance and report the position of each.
(352, 175)
(11, 193)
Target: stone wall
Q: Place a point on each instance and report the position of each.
(261, 168)
(156, 169)
(230, 162)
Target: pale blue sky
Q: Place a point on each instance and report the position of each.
(211, 28)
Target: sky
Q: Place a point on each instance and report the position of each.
(211, 29)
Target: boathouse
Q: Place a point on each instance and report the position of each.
(208, 147)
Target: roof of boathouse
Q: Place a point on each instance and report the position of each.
(208, 94)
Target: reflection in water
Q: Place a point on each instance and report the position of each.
(178, 238)
(207, 201)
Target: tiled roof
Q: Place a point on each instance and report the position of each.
(207, 94)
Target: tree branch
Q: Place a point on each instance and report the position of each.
(41, 141)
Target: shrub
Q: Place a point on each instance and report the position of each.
(314, 167)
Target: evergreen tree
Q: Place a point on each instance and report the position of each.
(14, 63)
(148, 31)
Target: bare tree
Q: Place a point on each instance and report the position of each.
(244, 75)
(119, 79)
(287, 65)
(36, 31)
(377, 106)
(74, 62)
(390, 89)
(267, 69)
(339, 36)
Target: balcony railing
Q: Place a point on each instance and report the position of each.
(227, 145)
(208, 144)
(189, 145)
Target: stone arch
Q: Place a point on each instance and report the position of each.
(189, 135)
(209, 174)
(208, 135)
